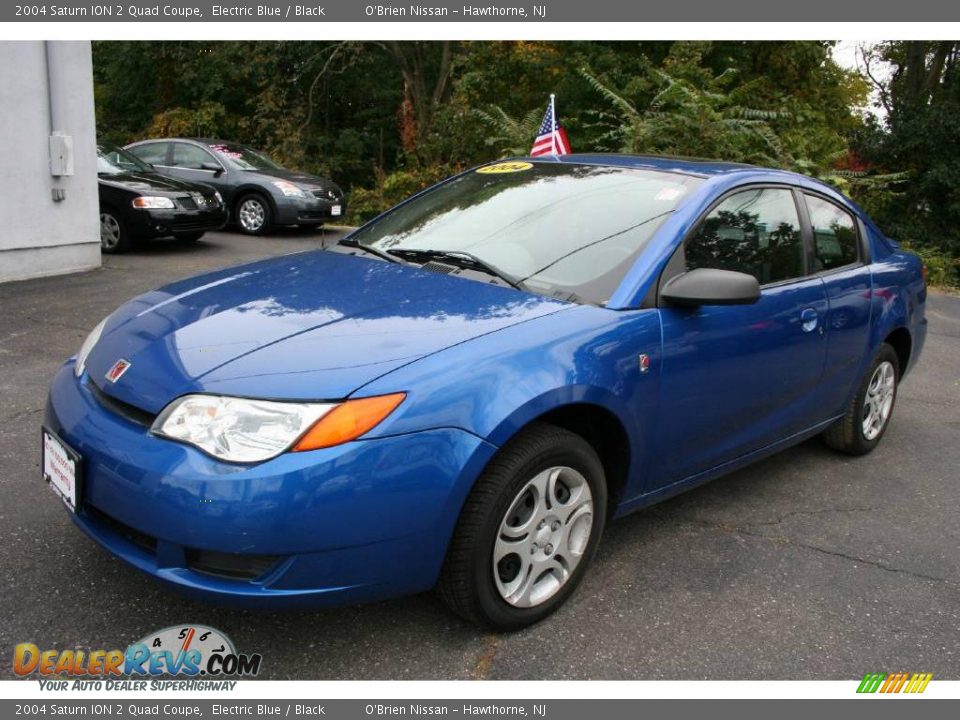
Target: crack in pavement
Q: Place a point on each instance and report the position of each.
(744, 531)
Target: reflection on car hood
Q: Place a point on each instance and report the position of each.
(312, 326)
(152, 182)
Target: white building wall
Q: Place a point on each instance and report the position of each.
(39, 236)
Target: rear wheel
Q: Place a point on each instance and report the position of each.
(254, 215)
(527, 531)
(868, 415)
(113, 232)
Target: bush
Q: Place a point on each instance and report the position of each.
(390, 189)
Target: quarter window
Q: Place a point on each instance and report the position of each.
(834, 234)
(755, 232)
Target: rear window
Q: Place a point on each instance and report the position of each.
(565, 230)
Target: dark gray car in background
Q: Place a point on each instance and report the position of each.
(259, 193)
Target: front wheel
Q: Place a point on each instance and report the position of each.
(527, 531)
(868, 415)
(254, 215)
(114, 237)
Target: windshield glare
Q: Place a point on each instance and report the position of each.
(562, 229)
(112, 160)
(243, 157)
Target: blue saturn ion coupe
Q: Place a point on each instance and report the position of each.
(463, 391)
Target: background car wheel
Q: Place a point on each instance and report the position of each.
(254, 215)
(113, 234)
(868, 415)
(189, 237)
(527, 531)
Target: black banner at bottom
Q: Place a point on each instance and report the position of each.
(874, 708)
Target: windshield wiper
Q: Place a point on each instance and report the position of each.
(462, 259)
(347, 242)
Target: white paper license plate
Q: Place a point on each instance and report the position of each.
(61, 468)
(335, 210)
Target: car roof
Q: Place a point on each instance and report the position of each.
(701, 167)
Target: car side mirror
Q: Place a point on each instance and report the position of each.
(217, 170)
(708, 286)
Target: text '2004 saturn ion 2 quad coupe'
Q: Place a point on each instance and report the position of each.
(462, 392)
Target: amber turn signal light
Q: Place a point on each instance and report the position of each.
(348, 421)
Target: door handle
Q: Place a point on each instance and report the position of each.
(809, 319)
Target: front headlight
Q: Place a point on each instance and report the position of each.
(153, 203)
(218, 196)
(92, 339)
(289, 189)
(246, 431)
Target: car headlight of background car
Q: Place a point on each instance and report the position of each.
(289, 189)
(246, 430)
(91, 341)
(153, 203)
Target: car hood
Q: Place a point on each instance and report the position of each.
(311, 326)
(295, 177)
(151, 182)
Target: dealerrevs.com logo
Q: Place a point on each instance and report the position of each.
(181, 650)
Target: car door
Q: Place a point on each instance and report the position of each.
(840, 258)
(195, 164)
(736, 378)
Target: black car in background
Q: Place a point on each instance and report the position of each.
(136, 202)
(258, 192)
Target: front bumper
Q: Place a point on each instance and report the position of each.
(363, 521)
(308, 211)
(148, 224)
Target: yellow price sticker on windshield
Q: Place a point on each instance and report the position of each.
(504, 167)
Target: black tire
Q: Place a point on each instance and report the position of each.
(467, 582)
(847, 434)
(265, 208)
(114, 236)
(189, 237)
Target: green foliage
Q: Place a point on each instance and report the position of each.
(385, 119)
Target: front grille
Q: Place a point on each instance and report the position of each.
(124, 410)
(187, 203)
(140, 539)
(230, 565)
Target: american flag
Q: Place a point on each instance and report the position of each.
(551, 138)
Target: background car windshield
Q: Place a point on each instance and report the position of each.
(243, 157)
(562, 229)
(114, 161)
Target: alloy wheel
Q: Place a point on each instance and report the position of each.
(878, 402)
(109, 231)
(251, 215)
(543, 537)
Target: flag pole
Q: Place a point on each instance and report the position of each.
(553, 130)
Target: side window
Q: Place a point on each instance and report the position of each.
(834, 234)
(755, 232)
(153, 153)
(190, 156)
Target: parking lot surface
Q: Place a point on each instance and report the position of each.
(808, 565)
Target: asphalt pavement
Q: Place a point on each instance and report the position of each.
(808, 565)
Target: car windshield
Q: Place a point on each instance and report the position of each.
(111, 160)
(559, 229)
(243, 157)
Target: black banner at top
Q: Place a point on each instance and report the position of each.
(332, 11)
